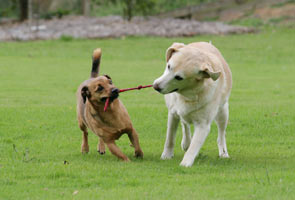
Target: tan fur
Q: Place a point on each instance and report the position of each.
(96, 54)
(108, 126)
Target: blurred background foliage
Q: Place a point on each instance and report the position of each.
(47, 9)
(242, 12)
(128, 8)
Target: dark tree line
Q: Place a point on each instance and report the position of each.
(25, 9)
(131, 7)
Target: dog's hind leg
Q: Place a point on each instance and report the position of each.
(114, 149)
(200, 134)
(172, 125)
(221, 121)
(84, 146)
(133, 137)
(101, 146)
(186, 136)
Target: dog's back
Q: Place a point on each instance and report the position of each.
(210, 48)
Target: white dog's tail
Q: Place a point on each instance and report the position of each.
(95, 63)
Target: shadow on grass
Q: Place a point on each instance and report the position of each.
(202, 163)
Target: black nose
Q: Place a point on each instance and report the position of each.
(156, 87)
(115, 91)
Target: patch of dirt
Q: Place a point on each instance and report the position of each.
(112, 27)
(231, 15)
(287, 10)
(230, 10)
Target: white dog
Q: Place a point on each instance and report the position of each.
(196, 83)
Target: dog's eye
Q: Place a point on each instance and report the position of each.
(168, 66)
(111, 82)
(179, 78)
(100, 88)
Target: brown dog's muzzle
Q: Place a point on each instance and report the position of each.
(114, 94)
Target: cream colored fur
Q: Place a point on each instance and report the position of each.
(196, 83)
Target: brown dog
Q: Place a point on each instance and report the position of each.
(109, 125)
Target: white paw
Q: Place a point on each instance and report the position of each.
(185, 144)
(167, 154)
(223, 155)
(186, 162)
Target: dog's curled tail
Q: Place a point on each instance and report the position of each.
(95, 62)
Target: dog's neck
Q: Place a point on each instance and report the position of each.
(192, 93)
(108, 121)
(94, 106)
(97, 109)
(190, 96)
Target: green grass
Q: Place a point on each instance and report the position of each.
(250, 22)
(38, 128)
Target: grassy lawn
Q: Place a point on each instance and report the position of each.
(38, 128)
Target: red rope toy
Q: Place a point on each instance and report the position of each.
(106, 105)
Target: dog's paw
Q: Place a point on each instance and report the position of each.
(138, 154)
(185, 144)
(126, 159)
(84, 149)
(187, 162)
(101, 152)
(223, 155)
(167, 154)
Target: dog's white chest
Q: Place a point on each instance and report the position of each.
(186, 110)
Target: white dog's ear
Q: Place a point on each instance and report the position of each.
(174, 47)
(207, 72)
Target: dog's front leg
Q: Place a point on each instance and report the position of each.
(133, 137)
(100, 146)
(172, 125)
(114, 149)
(200, 134)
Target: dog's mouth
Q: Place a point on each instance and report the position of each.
(173, 90)
(103, 99)
(112, 97)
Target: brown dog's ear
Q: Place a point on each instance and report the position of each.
(207, 72)
(85, 93)
(108, 77)
(174, 47)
